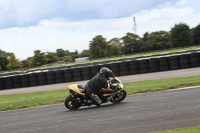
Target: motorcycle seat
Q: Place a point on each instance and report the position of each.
(82, 87)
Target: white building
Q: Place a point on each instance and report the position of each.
(83, 59)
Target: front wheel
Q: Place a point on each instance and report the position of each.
(119, 97)
(73, 102)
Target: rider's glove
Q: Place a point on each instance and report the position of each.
(113, 87)
(118, 87)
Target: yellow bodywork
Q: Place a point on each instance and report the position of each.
(110, 94)
(75, 88)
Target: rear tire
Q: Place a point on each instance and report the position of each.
(119, 97)
(73, 103)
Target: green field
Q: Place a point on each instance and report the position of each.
(35, 99)
(182, 130)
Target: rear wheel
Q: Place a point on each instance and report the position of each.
(73, 102)
(119, 97)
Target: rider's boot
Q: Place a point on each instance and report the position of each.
(109, 99)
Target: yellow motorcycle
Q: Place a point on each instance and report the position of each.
(78, 97)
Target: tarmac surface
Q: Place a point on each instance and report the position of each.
(136, 114)
(124, 79)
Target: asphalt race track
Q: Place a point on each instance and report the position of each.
(136, 114)
(124, 79)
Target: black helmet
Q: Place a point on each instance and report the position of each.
(106, 72)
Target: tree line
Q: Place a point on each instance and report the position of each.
(180, 35)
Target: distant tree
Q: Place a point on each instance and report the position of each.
(130, 43)
(196, 35)
(145, 36)
(74, 55)
(13, 62)
(180, 35)
(51, 57)
(158, 40)
(61, 53)
(192, 36)
(117, 45)
(39, 58)
(67, 59)
(113, 50)
(26, 63)
(4, 60)
(142, 43)
(29, 59)
(98, 47)
(84, 53)
(117, 41)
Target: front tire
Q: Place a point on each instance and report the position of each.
(119, 97)
(73, 103)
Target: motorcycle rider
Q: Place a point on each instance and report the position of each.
(99, 81)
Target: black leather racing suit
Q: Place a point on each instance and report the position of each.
(94, 86)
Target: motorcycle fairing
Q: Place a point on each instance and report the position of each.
(110, 94)
(116, 80)
(76, 89)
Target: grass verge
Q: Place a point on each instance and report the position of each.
(182, 130)
(161, 84)
(35, 99)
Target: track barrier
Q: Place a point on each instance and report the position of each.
(119, 68)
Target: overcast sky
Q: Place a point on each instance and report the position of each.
(46, 25)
